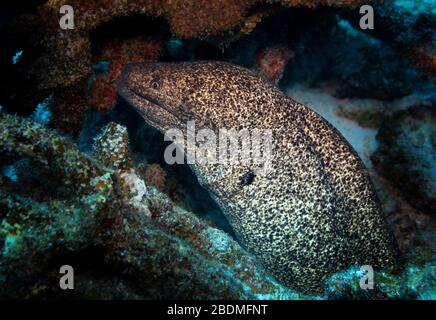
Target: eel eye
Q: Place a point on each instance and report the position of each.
(155, 84)
(247, 178)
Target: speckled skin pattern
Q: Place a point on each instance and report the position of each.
(316, 211)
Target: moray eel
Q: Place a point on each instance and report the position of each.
(315, 213)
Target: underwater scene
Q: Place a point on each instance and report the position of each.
(218, 149)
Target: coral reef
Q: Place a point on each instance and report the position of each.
(408, 26)
(102, 96)
(135, 228)
(111, 147)
(32, 231)
(187, 19)
(272, 61)
(69, 108)
(411, 227)
(364, 66)
(416, 282)
(59, 62)
(154, 175)
(407, 155)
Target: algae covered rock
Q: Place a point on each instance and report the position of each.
(417, 281)
(124, 239)
(410, 26)
(407, 155)
(407, 26)
(33, 231)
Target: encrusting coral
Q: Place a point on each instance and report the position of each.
(116, 53)
(154, 175)
(272, 61)
(31, 232)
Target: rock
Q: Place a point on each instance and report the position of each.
(417, 281)
(407, 155)
(116, 53)
(111, 147)
(408, 26)
(112, 228)
(367, 67)
(358, 65)
(272, 61)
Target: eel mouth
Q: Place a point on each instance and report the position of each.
(146, 97)
(154, 112)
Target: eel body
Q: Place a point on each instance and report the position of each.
(314, 213)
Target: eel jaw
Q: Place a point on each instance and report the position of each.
(153, 112)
